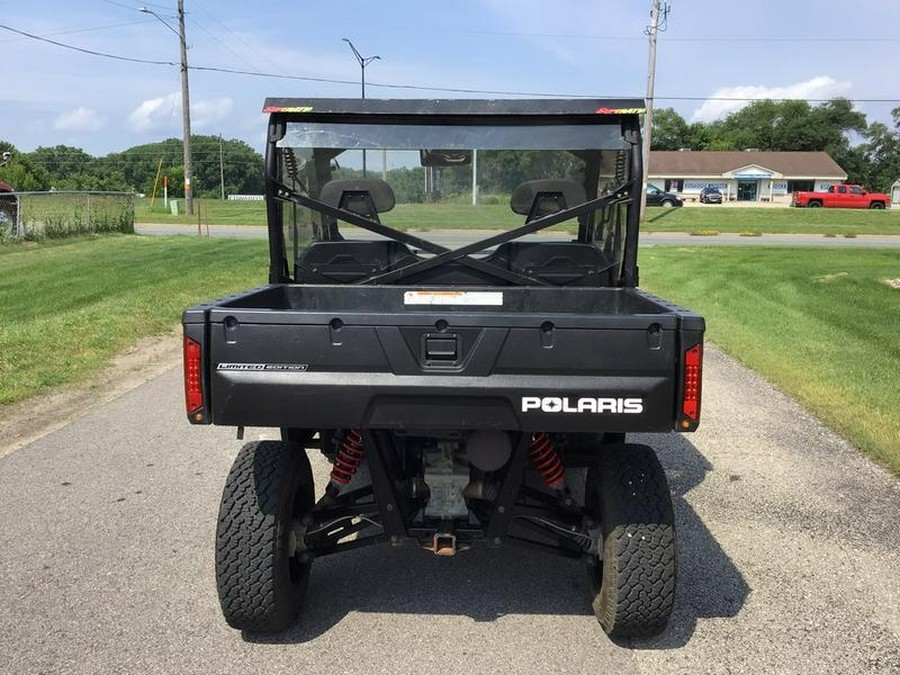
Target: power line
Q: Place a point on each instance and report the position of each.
(83, 30)
(414, 87)
(133, 7)
(236, 36)
(631, 38)
(507, 92)
(116, 57)
(199, 25)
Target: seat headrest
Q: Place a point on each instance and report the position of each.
(359, 195)
(542, 197)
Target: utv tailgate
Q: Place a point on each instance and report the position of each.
(531, 359)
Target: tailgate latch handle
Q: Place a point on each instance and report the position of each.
(440, 350)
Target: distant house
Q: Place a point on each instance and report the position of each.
(895, 192)
(750, 176)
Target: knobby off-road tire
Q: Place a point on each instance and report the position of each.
(634, 584)
(261, 585)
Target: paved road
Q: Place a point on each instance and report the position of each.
(789, 552)
(455, 238)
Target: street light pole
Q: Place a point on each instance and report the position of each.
(363, 62)
(185, 102)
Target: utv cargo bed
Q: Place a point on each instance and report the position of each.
(413, 360)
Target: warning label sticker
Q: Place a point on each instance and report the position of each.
(484, 298)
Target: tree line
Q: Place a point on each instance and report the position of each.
(64, 167)
(869, 153)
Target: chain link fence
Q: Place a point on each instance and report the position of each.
(58, 214)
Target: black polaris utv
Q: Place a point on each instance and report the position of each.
(469, 387)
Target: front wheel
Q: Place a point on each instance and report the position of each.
(878, 206)
(633, 577)
(667, 203)
(260, 576)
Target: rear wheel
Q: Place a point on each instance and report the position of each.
(877, 205)
(261, 579)
(814, 205)
(633, 578)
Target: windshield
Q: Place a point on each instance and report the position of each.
(348, 189)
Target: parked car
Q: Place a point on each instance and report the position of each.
(657, 197)
(710, 195)
(841, 196)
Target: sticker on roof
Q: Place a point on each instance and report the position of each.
(620, 111)
(287, 109)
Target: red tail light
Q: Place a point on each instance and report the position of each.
(690, 404)
(193, 378)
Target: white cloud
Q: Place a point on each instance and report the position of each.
(164, 112)
(823, 87)
(80, 119)
(206, 112)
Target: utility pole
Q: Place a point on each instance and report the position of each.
(185, 101)
(652, 30)
(221, 168)
(186, 114)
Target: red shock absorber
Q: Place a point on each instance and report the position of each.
(348, 458)
(547, 460)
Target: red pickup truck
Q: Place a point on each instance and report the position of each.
(841, 196)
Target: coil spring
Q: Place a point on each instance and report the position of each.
(349, 456)
(290, 163)
(546, 460)
(621, 166)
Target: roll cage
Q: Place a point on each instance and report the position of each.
(623, 115)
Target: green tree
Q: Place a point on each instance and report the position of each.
(72, 168)
(788, 125)
(882, 152)
(670, 130)
(20, 173)
(243, 166)
(62, 160)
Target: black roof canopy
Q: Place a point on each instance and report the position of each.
(329, 108)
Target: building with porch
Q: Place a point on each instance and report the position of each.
(747, 176)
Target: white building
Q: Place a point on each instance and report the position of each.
(751, 176)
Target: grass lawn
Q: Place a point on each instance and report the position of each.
(213, 211)
(821, 324)
(499, 216)
(773, 220)
(66, 307)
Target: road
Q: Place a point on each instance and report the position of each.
(788, 538)
(455, 238)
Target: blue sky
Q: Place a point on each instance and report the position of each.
(582, 47)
